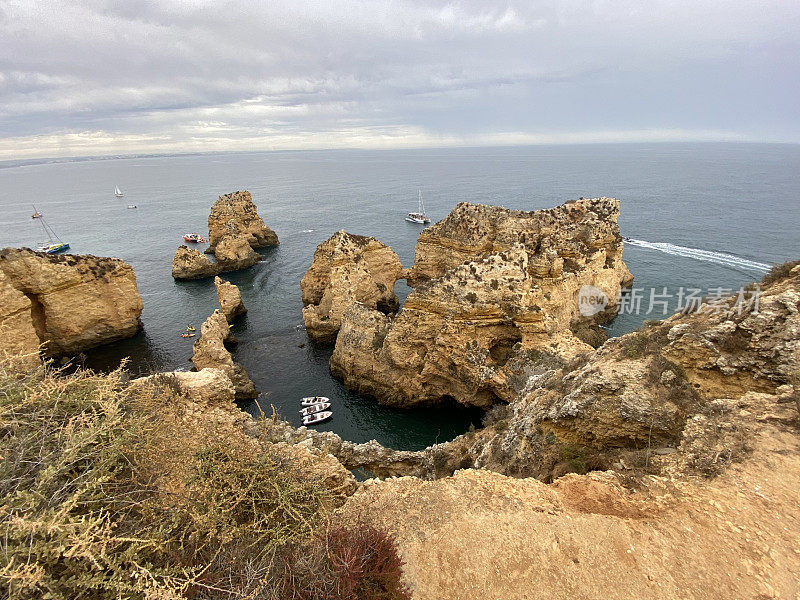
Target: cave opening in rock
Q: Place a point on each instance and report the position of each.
(39, 317)
(501, 349)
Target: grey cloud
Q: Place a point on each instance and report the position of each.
(445, 71)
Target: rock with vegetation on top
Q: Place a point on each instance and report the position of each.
(73, 302)
(235, 215)
(188, 263)
(210, 352)
(496, 296)
(346, 269)
(694, 382)
(230, 299)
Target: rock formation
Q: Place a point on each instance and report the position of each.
(199, 407)
(188, 263)
(234, 253)
(497, 291)
(72, 302)
(230, 299)
(210, 352)
(235, 215)
(346, 269)
(235, 229)
(17, 333)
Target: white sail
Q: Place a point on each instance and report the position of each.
(117, 191)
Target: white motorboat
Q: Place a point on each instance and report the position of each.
(311, 400)
(419, 216)
(317, 417)
(314, 408)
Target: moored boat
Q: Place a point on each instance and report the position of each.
(315, 408)
(419, 216)
(51, 246)
(317, 417)
(194, 238)
(36, 214)
(311, 400)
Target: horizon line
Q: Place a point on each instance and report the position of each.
(20, 162)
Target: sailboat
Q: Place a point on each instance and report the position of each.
(118, 192)
(36, 214)
(51, 246)
(419, 216)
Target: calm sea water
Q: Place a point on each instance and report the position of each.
(701, 215)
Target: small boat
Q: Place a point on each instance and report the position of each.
(190, 328)
(315, 408)
(311, 400)
(419, 216)
(195, 238)
(36, 214)
(51, 246)
(118, 192)
(317, 417)
(186, 335)
(132, 206)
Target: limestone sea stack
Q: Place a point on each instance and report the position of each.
(230, 299)
(496, 295)
(346, 269)
(235, 215)
(189, 263)
(72, 302)
(210, 352)
(235, 229)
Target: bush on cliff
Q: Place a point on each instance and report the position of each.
(97, 501)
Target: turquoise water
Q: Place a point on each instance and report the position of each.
(701, 215)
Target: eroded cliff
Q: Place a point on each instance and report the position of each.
(230, 299)
(497, 291)
(347, 269)
(235, 215)
(210, 351)
(72, 302)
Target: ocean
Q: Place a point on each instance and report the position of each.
(708, 217)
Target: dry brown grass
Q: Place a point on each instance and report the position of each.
(108, 492)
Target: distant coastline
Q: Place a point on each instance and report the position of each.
(28, 162)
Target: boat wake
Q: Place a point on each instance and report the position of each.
(720, 258)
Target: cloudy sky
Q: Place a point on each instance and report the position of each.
(89, 77)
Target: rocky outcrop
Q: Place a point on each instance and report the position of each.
(234, 253)
(210, 352)
(680, 393)
(346, 269)
(378, 460)
(189, 263)
(230, 299)
(497, 294)
(559, 241)
(235, 215)
(196, 410)
(72, 302)
(17, 333)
